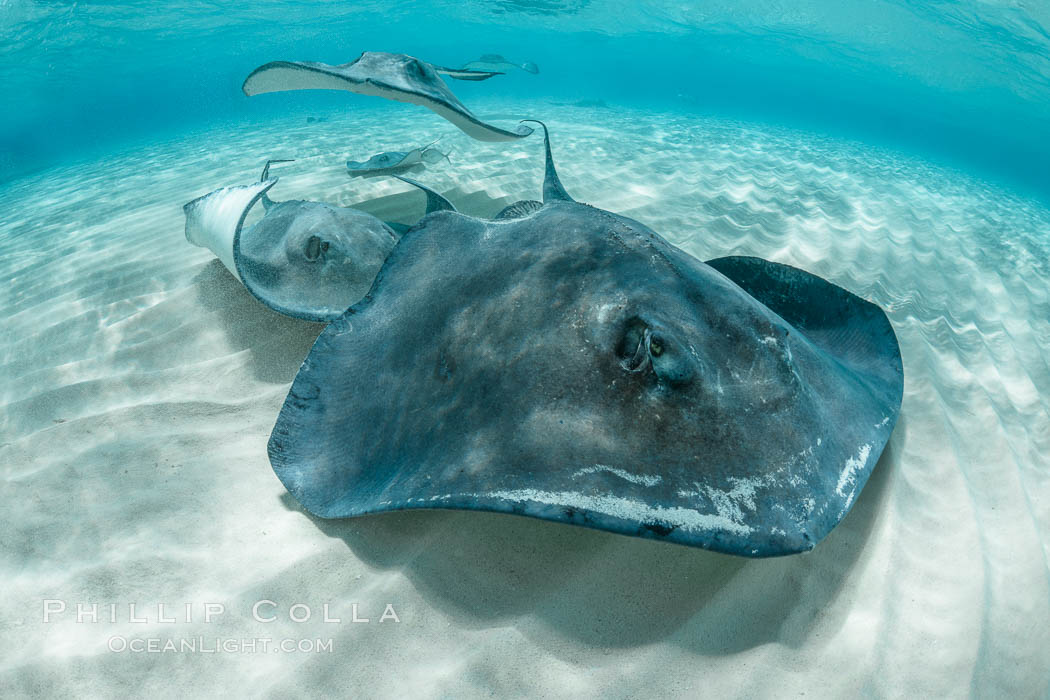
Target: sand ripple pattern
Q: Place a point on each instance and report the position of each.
(140, 382)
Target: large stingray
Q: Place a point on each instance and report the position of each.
(391, 75)
(392, 162)
(309, 260)
(571, 364)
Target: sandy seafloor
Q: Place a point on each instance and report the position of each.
(140, 383)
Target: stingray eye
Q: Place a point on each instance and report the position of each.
(644, 350)
(315, 248)
(670, 364)
(415, 67)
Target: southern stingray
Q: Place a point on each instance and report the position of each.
(392, 162)
(496, 64)
(465, 73)
(566, 363)
(391, 75)
(310, 260)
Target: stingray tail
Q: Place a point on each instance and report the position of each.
(435, 202)
(552, 187)
(266, 201)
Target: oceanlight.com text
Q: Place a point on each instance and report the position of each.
(217, 645)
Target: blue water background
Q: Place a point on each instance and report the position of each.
(963, 83)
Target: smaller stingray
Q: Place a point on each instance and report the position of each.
(309, 260)
(393, 162)
(391, 75)
(465, 74)
(496, 63)
(567, 363)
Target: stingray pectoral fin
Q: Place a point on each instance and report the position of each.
(435, 201)
(392, 76)
(465, 73)
(214, 220)
(854, 331)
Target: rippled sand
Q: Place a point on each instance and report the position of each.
(140, 382)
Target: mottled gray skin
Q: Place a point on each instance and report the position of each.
(312, 260)
(573, 365)
(393, 76)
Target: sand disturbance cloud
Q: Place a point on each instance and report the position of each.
(140, 383)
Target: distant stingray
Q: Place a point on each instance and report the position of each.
(393, 76)
(495, 63)
(393, 162)
(465, 74)
(309, 260)
(566, 363)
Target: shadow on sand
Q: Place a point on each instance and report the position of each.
(276, 344)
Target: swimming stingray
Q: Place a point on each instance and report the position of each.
(309, 260)
(494, 63)
(570, 364)
(465, 73)
(393, 162)
(391, 75)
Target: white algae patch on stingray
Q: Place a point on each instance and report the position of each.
(628, 510)
(853, 465)
(643, 479)
(140, 381)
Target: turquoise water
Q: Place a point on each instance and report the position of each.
(965, 83)
(139, 382)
